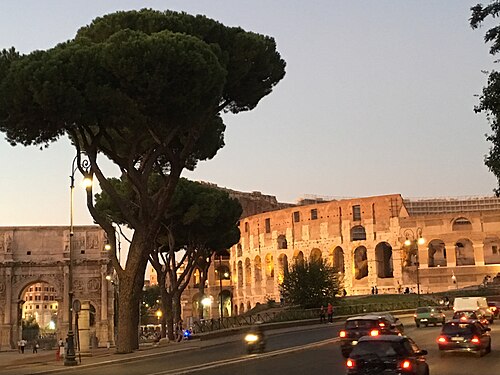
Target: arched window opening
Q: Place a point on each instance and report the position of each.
(298, 257)
(437, 254)
(462, 224)
(338, 259)
(282, 243)
(240, 274)
(248, 272)
(316, 255)
(257, 269)
(464, 252)
(269, 266)
(358, 233)
(383, 260)
(360, 263)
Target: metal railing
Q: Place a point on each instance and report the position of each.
(291, 314)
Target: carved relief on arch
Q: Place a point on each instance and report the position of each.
(93, 284)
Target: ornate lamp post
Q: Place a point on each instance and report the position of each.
(415, 239)
(70, 358)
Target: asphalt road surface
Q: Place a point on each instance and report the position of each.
(311, 351)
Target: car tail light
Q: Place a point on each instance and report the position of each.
(342, 333)
(475, 340)
(441, 339)
(350, 363)
(406, 365)
(374, 332)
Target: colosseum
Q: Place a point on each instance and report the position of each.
(384, 241)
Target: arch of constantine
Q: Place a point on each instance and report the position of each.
(382, 241)
(34, 279)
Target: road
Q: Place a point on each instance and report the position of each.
(311, 351)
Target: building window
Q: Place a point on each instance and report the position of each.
(356, 213)
(268, 225)
(314, 214)
(494, 249)
(358, 233)
(247, 227)
(296, 216)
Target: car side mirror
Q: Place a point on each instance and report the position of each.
(487, 329)
(422, 352)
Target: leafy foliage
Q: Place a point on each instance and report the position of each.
(146, 89)
(489, 101)
(310, 284)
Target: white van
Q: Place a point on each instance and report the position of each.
(472, 304)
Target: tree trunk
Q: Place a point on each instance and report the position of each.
(201, 293)
(131, 283)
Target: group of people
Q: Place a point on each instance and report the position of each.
(323, 312)
(21, 346)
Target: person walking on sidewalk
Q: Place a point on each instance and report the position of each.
(329, 311)
(322, 316)
(35, 346)
(22, 343)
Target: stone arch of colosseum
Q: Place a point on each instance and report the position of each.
(32, 255)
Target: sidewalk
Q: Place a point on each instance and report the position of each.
(44, 362)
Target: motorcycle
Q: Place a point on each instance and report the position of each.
(255, 342)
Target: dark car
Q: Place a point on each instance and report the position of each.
(470, 315)
(495, 308)
(464, 336)
(428, 315)
(387, 354)
(367, 325)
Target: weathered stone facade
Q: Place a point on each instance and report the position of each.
(30, 255)
(364, 238)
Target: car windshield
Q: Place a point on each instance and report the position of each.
(467, 314)
(458, 328)
(361, 323)
(423, 310)
(379, 348)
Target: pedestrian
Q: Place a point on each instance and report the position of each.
(344, 292)
(322, 315)
(329, 311)
(19, 346)
(23, 344)
(61, 349)
(373, 290)
(376, 289)
(35, 346)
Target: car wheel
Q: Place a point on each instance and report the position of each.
(488, 349)
(417, 324)
(479, 353)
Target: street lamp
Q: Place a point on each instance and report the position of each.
(415, 239)
(70, 357)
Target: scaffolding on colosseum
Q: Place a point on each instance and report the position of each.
(430, 206)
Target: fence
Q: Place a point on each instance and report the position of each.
(292, 314)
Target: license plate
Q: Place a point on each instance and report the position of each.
(354, 342)
(457, 339)
(423, 320)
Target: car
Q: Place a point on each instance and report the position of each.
(474, 303)
(476, 314)
(428, 315)
(387, 354)
(464, 336)
(494, 306)
(367, 325)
